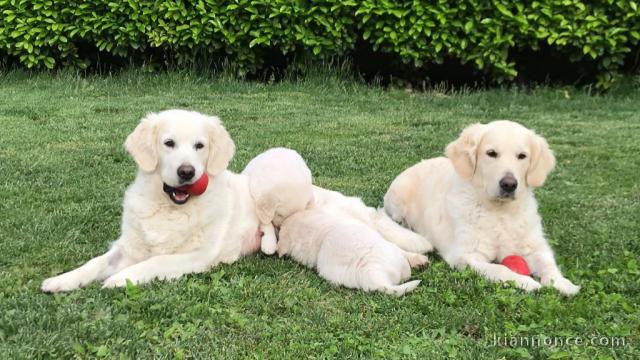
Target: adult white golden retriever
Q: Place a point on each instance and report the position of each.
(167, 232)
(477, 204)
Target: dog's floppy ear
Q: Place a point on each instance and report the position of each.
(462, 152)
(266, 211)
(141, 143)
(221, 147)
(541, 161)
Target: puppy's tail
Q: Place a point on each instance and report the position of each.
(399, 290)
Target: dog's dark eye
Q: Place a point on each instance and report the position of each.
(492, 153)
(169, 143)
(199, 146)
(522, 156)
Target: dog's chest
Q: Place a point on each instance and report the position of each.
(168, 229)
(500, 234)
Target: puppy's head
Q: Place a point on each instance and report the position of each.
(180, 146)
(503, 158)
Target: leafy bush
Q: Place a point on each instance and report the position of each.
(483, 33)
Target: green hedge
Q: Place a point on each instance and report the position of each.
(48, 33)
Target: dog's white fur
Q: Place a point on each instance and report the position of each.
(160, 239)
(339, 235)
(457, 203)
(354, 208)
(346, 251)
(281, 184)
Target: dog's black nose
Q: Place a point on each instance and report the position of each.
(186, 172)
(508, 183)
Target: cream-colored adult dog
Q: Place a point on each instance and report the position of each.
(477, 205)
(346, 251)
(281, 184)
(166, 232)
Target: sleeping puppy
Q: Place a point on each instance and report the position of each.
(477, 204)
(280, 183)
(355, 208)
(347, 252)
(167, 231)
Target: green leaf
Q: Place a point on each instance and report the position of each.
(468, 26)
(503, 9)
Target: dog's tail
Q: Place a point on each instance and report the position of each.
(399, 290)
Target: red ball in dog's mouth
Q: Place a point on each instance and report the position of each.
(181, 195)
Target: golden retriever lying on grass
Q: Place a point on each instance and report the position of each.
(477, 204)
(168, 232)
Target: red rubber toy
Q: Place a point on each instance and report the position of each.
(198, 187)
(517, 264)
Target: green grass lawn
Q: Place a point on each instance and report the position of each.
(64, 172)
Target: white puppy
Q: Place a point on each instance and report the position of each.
(355, 208)
(477, 205)
(281, 184)
(347, 252)
(166, 232)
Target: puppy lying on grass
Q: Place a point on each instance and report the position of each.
(347, 252)
(348, 243)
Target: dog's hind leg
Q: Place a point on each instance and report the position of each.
(405, 239)
(269, 242)
(415, 260)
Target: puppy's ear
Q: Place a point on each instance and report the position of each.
(221, 147)
(141, 143)
(266, 210)
(541, 162)
(462, 152)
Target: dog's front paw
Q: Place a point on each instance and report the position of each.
(65, 282)
(562, 284)
(269, 243)
(528, 284)
(118, 280)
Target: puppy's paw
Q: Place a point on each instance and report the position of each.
(269, 243)
(422, 245)
(528, 284)
(417, 260)
(65, 282)
(563, 285)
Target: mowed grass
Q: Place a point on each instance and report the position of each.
(64, 173)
